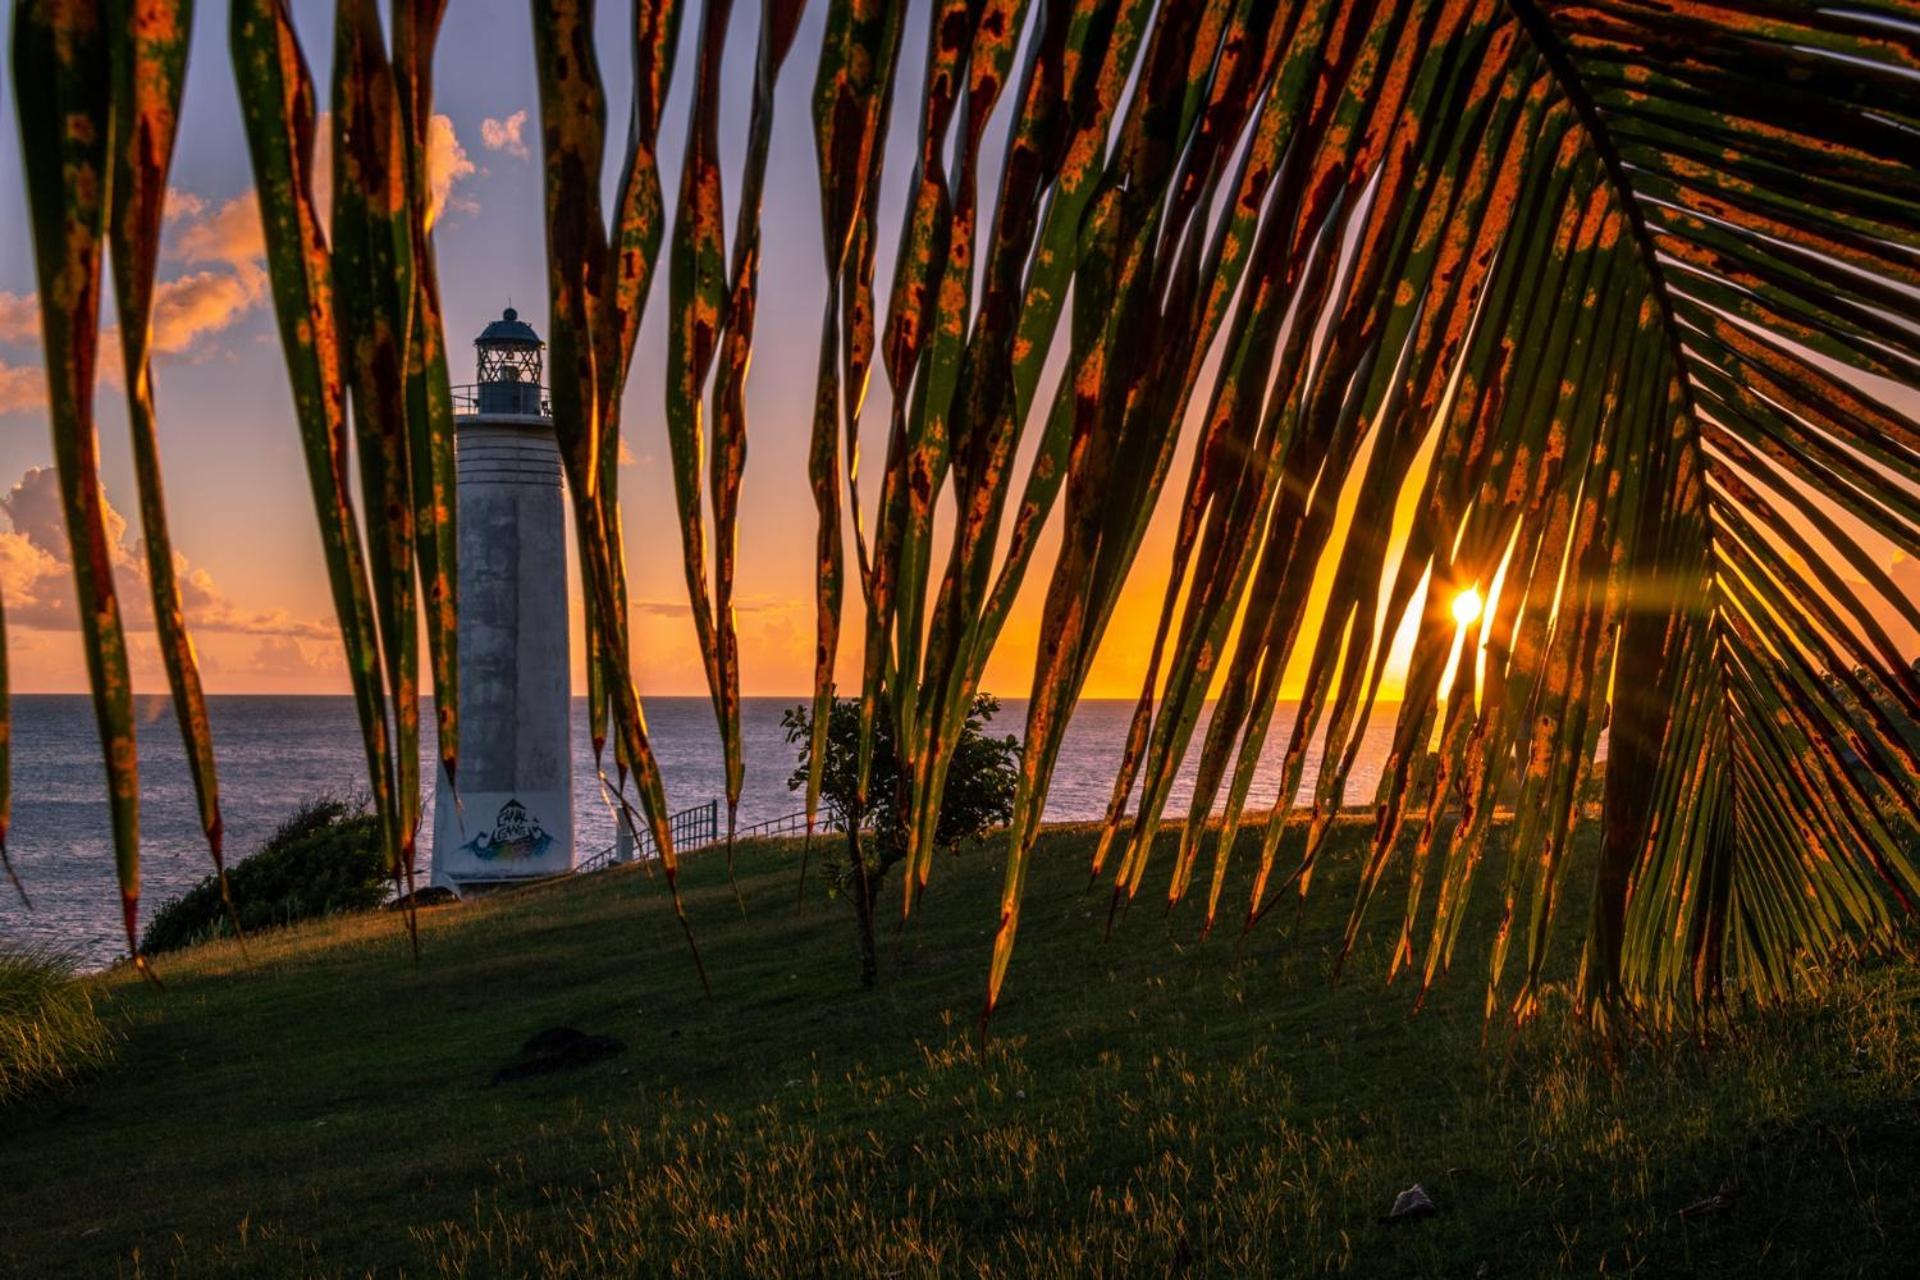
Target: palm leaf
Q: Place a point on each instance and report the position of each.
(276, 100)
(852, 96)
(63, 92)
(713, 310)
(1613, 299)
(1575, 286)
(416, 27)
(372, 265)
(149, 74)
(596, 290)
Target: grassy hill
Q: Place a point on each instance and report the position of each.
(1147, 1105)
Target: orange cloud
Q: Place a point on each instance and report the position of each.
(447, 164)
(37, 574)
(286, 656)
(19, 317)
(204, 302)
(232, 235)
(22, 387)
(506, 135)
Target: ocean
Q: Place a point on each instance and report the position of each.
(275, 752)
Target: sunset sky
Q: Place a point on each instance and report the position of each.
(239, 505)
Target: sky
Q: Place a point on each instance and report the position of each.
(238, 503)
(237, 493)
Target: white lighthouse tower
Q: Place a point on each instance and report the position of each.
(513, 819)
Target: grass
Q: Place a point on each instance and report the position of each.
(1147, 1105)
(50, 1035)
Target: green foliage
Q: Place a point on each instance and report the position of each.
(978, 798)
(981, 783)
(50, 1033)
(325, 858)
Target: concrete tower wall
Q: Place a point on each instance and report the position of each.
(514, 817)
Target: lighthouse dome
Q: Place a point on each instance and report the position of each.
(509, 330)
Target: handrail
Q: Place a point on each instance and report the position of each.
(689, 829)
(466, 399)
(700, 826)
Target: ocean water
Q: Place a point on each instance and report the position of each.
(275, 752)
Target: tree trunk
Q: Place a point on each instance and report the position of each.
(865, 889)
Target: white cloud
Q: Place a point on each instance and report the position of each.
(506, 135)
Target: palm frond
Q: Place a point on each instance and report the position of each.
(1569, 347)
(597, 287)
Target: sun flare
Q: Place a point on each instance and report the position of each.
(1467, 606)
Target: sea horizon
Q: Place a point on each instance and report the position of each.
(274, 752)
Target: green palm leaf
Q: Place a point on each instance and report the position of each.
(597, 288)
(63, 56)
(416, 27)
(1580, 291)
(713, 310)
(149, 75)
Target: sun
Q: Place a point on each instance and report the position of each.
(1467, 606)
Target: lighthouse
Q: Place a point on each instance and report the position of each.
(512, 818)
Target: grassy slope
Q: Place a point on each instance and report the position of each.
(326, 1110)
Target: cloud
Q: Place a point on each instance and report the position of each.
(204, 302)
(447, 164)
(229, 247)
(286, 656)
(506, 135)
(37, 574)
(19, 317)
(182, 204)
(22, 387)
(232, 235)
(744, 606)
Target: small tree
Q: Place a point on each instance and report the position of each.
(978, 798)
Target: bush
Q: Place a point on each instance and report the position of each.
(979, 796)
(323, 859)
(980, 781)
(49, 1032)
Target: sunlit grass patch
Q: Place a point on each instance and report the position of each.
(50, 1033)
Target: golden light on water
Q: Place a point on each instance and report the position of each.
(1467, 606)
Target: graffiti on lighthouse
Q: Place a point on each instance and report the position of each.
(516, 835)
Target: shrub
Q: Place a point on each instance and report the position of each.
(49, 1032)
(325, 858)
(978, 797)
(980, 781)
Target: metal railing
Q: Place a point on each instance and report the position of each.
(689, 829)
(700, 826)
(466, 397)
(792, 824)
